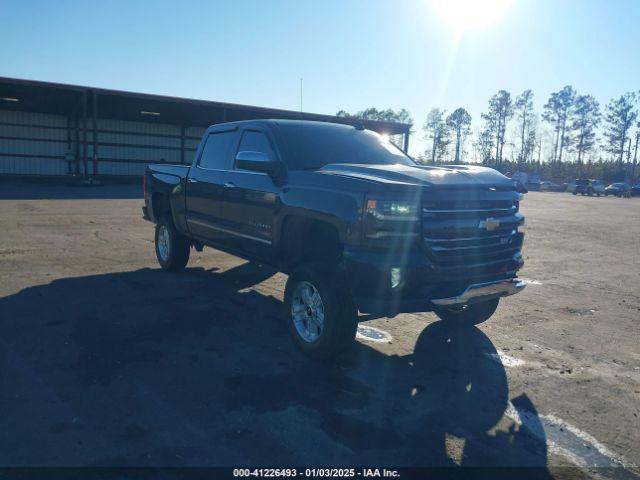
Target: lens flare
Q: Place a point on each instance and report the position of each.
(465, 15)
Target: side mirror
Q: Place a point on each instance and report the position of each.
(257, 162)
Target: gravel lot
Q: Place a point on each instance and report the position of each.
(106, 360)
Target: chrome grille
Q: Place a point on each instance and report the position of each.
(472, 231)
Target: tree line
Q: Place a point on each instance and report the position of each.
(572, 137)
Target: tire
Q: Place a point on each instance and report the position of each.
(320, 329)
(172, 248)
(472, 314)
(575, 193)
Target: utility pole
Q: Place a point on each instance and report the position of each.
(635, 157)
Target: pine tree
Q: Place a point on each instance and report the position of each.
(436, 130)
(586, 117)
(500, 111)
(524, 110)
(620, 115)
(460, 124)
(557, 111)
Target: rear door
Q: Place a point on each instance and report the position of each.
(205, 184)
(251, 198)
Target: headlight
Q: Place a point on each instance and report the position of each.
(387, 221)
(391, 210)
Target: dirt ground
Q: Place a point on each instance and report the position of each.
(106, 360)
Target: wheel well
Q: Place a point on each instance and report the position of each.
(160, 204)
(304, 240)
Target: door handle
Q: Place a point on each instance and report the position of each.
(229, 185)
(192, 180)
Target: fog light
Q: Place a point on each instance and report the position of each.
(395, 277)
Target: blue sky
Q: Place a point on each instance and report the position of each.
(352, 54)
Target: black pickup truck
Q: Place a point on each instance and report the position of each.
(355, 223)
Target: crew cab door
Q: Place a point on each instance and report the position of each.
(205, 184)
(251, 199)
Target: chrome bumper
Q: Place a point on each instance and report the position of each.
(483, 291)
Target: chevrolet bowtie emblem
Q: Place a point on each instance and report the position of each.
(489, 224)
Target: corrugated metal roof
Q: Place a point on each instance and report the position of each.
(65, 99)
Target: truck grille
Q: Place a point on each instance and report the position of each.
(464, 232)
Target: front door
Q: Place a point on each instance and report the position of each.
(251, 199)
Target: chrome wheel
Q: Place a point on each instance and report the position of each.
(164, 243)
(307, 312)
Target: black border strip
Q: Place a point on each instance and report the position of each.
(208, 473)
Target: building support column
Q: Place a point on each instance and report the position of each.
(95, 133)
(68, 152)
(76, 122)
(182, 144)
(84, 134)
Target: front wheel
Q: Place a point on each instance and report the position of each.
(471, 314)
(321, 316)
(172, 248)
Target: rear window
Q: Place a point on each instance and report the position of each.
(308, 146)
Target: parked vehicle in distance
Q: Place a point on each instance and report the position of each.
(588, 187)
(618, 189)
(547, 186)
(355, 223)
(635, 190)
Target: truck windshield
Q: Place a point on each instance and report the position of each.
(309, 146)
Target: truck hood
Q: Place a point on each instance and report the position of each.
(421, 175)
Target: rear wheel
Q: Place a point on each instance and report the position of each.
(321, 316)
(172, 248)
(471, 314)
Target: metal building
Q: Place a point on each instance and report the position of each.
(56, 129)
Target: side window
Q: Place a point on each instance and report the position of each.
(216, 153)
(253, 141)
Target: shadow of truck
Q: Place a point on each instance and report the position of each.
(147, 368)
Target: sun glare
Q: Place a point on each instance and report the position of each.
(465, 15)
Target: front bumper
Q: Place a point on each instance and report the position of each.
(419, 284)
(479, 292)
